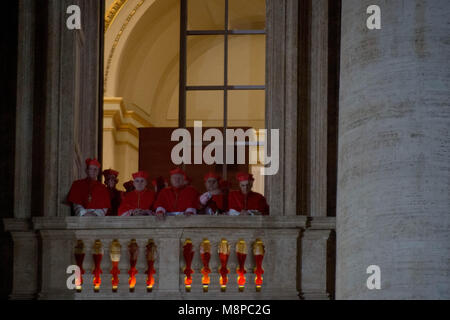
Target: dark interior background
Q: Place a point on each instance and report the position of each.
(155, 147)
(8, 68)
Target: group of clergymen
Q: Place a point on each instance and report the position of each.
(89, 197)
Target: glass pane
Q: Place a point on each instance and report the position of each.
(246, 108)
(206, 15)
(246, 15)
(205, 60)
(247, 59)
(169, 102)
(206, 106)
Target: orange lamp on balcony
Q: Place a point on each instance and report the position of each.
(97, 255)
(205, 253)
(188, 253)
(114, 253)
(224, 254)
(241, 252)
(133, 250)
(79, 258)
(151, 257)
(258, 254)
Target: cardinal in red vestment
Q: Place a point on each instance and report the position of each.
(89, 197)
(177, 199)
(245, 201)
(138, 202)
(212, 201)
(115, 195)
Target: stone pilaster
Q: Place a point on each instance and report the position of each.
(25, 242)
(318, 124)
(314, 264)
(71, 94)
(281, 102)
(24, 110)
(169, 258)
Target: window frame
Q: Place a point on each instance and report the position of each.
(184, 88)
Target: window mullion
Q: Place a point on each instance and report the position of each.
(225, 91)
(183, 63)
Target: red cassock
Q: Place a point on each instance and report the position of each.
(137, 200)
(252, 201)
(116, 198)
(177, 199)
(91, 194)
(216, 203)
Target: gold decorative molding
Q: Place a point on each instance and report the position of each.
(122, 122)
(125, 112)
(126, 143)
(142, 111)
(112, 12)
(118, 142)
(109, 113)
(129, 128)
(117, 39)
(112, 100)
(119, 126)
(135, 116)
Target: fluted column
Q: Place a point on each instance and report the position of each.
(394, 151)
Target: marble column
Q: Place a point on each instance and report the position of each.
(394, 151)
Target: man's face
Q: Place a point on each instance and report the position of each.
(92, 172)
(111, 181)
(211, 184)
(246, 186)
(139, 184)
(177, 180)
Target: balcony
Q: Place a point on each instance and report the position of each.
(295, 259)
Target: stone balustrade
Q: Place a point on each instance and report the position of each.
(282, 262)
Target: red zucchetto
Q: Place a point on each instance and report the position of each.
(177, 171)
(110, 172)
(92, 162)
(140, 174)
(211, 175)
(242, 176)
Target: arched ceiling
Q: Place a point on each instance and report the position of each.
(143, 64)
(148, 65)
